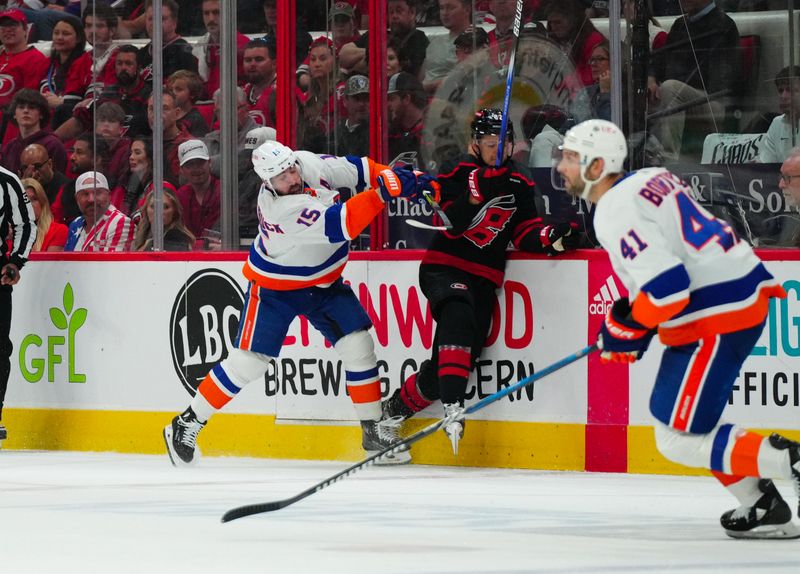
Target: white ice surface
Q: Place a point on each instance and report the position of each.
(108, 513)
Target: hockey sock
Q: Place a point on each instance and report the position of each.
(361, 372)
(744, 488)
(411, 395)
(454, 367)
(225, 381)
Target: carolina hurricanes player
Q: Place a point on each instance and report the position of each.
(294, 268)
(489, 207)
(706, 293)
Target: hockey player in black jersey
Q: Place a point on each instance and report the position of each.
(489, 207)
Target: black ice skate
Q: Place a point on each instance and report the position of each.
(394, 407)
(3, 433)
(769, 517)
(378, 435)
(783, 443)
(454, 424)
(181, 438)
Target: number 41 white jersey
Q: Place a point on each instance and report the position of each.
(686, 271)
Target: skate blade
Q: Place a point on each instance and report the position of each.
(786, 531)
(398, 458)
(173, 456)
(454, 432)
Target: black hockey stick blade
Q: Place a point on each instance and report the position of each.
(250, 509)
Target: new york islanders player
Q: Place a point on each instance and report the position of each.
(294, 268)
(490, 208)
(706, 294)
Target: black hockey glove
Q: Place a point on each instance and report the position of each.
(559, 238)
(486, 183)
(621, 338)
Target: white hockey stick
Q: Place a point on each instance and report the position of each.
(423, 225)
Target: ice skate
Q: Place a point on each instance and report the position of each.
(3, 435)
(394, 407)
(379, 435)
(782, 443)
(769, 517)
(454, 424)
(181, 438)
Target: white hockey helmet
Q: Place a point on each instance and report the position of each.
(597, 139)
(272, 158)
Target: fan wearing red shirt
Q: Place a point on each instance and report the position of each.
(200, 196)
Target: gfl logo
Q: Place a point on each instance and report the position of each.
(604, 298)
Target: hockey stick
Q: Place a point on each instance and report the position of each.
(509, 82)
(423, 225)
(402, 445)
(437, 209)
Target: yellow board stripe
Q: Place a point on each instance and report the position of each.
(495, 444)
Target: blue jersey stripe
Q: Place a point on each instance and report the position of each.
(727, 291)
(223, 378)
(302, 271)
(359, 165)
(672, 281)
(719, 446)
(333, 223)
(361, 375)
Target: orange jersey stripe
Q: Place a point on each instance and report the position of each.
(694, 380)
(723, 322)
(212, 393)
(361, 209)
(290, 284)
(744, 458)
(253, 302)
(649, 314)
(369, 393)
(726, 479)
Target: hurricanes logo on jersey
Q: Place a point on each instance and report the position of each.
(7, 85)
(203, 324)
(491, 220)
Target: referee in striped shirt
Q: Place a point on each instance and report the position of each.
(16, 215)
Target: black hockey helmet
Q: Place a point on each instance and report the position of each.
(489, 121)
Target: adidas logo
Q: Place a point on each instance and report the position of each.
(604, 298)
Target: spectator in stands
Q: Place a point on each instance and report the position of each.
(570, 28)
(129, 196)
(31, 115)
(207, 50)
(596, 98)
(405, 103)
(409, 43)
(200, 196)
(501, 39)
(101, 227)
(698, 63)
(302, 40)
(440, 58)
(790, 179)
(21, 66)
(245, 124)
(130, 91)
(187, 88)
(89, 153)
(784, 131)
(35, 163)
(657, 34)
(317, 119)
(176, 53)
(69, 44)
(110, 128)
(95, 68)
(50, 234)
(392, 58)
(352, 132)
(250, 182)
(177, 236)
(43, 16)
(259, 69)
(543, 126)
(344, 29)
(173, 135)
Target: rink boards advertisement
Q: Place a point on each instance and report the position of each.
(121, 345)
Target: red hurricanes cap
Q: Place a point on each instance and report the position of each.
(14, 14)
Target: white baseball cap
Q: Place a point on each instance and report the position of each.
(192, 149)
(258, 136)
(91, 180)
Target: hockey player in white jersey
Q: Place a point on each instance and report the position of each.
(294, 268)
(706, 294)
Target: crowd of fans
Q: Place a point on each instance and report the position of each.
(75, 111)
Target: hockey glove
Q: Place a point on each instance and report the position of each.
(397, 182)
(621, 338)
(559, 238)
(486, 183)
